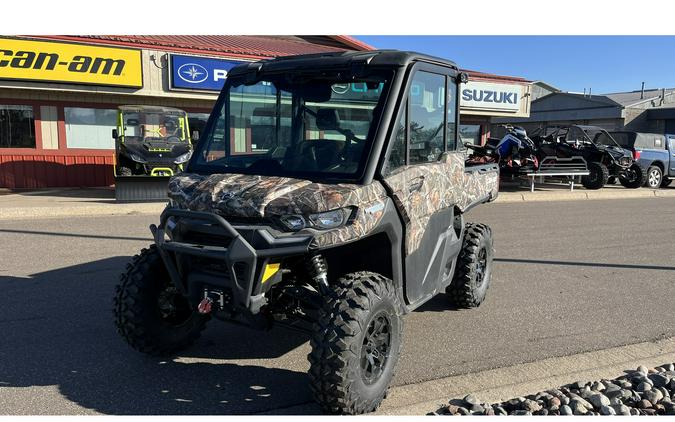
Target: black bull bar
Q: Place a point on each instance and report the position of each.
(252, 246)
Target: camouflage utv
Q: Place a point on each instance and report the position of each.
(327, 192)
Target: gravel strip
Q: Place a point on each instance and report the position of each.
(641, 391)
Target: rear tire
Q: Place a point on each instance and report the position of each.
(356, 344)
(150, 314)
(599, 174)
(473, 269)
(636, 177)
(654, 177)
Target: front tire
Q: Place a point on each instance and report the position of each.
(150, 314)
(654, 177)
(633, 178)
(599, 174)
(356, 344)
(474, 267)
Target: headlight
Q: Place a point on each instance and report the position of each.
(322, 221)
(183, 158)
(329, 219)
(137, 159)
(293, 222)
(625, 161)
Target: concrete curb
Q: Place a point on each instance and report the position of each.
(112, 208)
(504, 383)
(510, 197)
(22, 213)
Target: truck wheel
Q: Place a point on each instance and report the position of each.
(474, 267)
(598, 176)
(356, 344)
(666, 182)
(633, 178)
(150, 314)
(654, 177)
(124, 171)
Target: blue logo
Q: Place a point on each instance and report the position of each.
(193, 73)
(199, 73)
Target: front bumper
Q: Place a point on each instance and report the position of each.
(204, 252)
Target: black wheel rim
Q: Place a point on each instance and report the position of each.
(173, 308)
(375, 348)
(481, 267)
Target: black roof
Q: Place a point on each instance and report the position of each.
(383, 58)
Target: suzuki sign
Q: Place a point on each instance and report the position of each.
(491, 96)
(199, 73)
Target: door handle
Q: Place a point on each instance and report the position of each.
(416, 184)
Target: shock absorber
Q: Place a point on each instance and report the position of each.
(316, 265)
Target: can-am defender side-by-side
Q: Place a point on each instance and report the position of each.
(605, 157)
(327, 193)
(151, 141)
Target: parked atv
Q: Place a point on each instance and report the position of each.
(604, 156)
(338, 212)
(516, 152)
(151, 141)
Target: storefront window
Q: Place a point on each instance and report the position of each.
(197, 122)
(470, 133)
(90, 127)
(17, 126)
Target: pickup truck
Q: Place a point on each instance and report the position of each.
(654, 152)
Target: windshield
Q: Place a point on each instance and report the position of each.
(154, 126)
(308, 128)
(601, 137)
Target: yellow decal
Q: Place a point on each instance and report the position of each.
(66, 62)
(270, 270)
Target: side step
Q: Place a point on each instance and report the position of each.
(141, 188)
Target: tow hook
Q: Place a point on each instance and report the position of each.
(211, 297)
(205, 306)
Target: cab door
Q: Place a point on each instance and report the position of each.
(418, 173)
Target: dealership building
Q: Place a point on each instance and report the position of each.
(59, 95)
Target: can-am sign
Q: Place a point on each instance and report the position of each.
(51, 61)
(490, 96)
(199, 73)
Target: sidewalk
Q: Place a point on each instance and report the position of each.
(512, 192)
(69, 202)
(101, 202)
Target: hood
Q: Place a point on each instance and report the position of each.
(242, 195)
(615, 151)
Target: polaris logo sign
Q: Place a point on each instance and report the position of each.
(199, 73)
(491, 96)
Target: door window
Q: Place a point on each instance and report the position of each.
(397, 152)
(427, 117)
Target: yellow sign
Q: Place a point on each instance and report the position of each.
(65, 62)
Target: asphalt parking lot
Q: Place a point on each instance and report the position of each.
(570, 277)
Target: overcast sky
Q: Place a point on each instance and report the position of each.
(606, 64)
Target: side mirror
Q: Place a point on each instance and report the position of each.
(114, 133)
(195, 135)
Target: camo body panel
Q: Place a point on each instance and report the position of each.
(236, 195)
(230, 195)
(445, 185)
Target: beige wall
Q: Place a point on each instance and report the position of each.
(49, 127)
